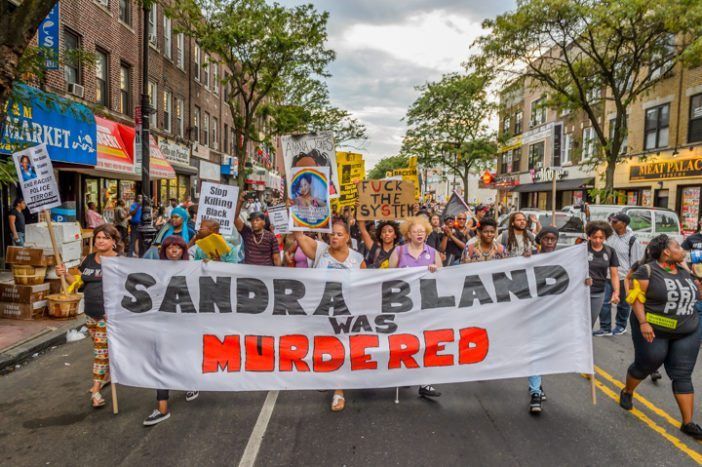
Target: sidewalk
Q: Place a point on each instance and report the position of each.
(19, 339)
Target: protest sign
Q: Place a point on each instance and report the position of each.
(384, 199)
(310, 210)
(312, 150)
(36, 178)
(455, 206)
(218, 202)
(279, 218)
(352, 169)
(408, 174)
(190, 325)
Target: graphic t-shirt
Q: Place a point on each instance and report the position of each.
(91, 274)
(379, 258)
(600, 262)
(453, 250)
(324, 260)
(693, 242)
(670, 299)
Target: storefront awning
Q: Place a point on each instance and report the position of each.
(561, 185)
(159, 166)
(113, 155)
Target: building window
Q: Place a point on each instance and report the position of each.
(625, 141)
(215, 128)
(518, 117)
(71, 67)
(656, 127)
(167, 102)
(125, 104)
(105, 3)
(695, 132)
(180, 50)
(215, 78)
(225, 135)
(506, 124)
(206, 72)
(567, 153)
(179, 116)
(516, 159)
(589, 143)
(197, 56)
(196, 124)
(153, 103)
(206, 129)
(538, 112)
(226, 86)
(536, 155)
(167, 34)
(153, 30)
(101, 78)
(125, 12)
(233, 141)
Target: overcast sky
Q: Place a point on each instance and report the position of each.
(387, 47)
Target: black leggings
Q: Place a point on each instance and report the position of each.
(677, 353)
(162, 394)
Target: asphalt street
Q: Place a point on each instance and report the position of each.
(45, 419)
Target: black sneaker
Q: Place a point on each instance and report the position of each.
(428, 391)
(156, 417)
(191, 395)
(655, 376)
(692, 429)
(535, 404)
(626, 400)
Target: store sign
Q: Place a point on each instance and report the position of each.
(547, 174)
(113, 155)
(49, 38)
(174, 152)
(667, 169)
(36, 117)
(506, 181)
(209, 171)
(513, 143)
(538, 134)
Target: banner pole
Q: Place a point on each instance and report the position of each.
(397, 394)
(115, 404)
(57, 254)
(593, 387)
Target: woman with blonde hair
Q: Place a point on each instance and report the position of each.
(416, 253)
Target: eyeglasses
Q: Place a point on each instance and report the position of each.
(462, 218)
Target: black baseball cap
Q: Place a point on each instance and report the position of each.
(257, 215)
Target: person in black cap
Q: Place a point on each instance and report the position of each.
(629, 250)
(260, 245)
(455, 238)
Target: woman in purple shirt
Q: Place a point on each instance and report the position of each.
(416, 253)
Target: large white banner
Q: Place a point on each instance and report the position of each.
(224, 327)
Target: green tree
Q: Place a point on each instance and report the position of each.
(579, 50)
(266, 46)
(447, 125)
(386, 164)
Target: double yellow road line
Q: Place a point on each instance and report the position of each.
(695, 455)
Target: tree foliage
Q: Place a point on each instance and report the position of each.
(447, 125)
(267, 47)
(579, 50)
(386, 164)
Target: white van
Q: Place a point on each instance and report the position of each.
(645, 222)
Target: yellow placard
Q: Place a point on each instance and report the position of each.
(213, 246)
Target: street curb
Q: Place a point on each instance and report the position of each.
(24, 351)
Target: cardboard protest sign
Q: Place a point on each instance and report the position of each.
(36, 178)
(310, 210)
(212, 326)
(352, 169)
(312, 150)
(279, 218)
(384, 199)
(218, 202)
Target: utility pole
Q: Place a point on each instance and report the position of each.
(146, 228)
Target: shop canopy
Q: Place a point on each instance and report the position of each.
(561, 185)
(159, 167)
(113, 155)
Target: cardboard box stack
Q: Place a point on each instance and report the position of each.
(67, 234)
(24, 301)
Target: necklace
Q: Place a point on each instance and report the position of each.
(484, 254)
(258, 242)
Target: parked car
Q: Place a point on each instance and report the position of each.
(645, 222)
(570, 227)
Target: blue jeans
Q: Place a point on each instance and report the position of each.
(133, 239)
(534, 384)
(623, 308)
(20, 239)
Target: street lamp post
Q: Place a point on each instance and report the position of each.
(146, 229)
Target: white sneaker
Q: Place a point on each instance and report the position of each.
(191, 395)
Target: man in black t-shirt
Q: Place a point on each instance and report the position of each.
(455, 238)
(16, 220)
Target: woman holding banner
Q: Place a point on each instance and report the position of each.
(486, 248)
(603, 263)
(173, 248)
(416, 253)
(335, 255)
(379, 250)
(108, 243)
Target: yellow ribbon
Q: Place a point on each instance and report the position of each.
(636, 294)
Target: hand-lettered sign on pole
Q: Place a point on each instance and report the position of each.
(218, 202)
(36, 177)
(384, 199)
(279, 218)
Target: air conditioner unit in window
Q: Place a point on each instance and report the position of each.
(76, 89)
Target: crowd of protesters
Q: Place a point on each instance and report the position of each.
(656, 283)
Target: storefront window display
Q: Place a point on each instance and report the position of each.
(689, 208)
(105, 192)
(177, 188)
